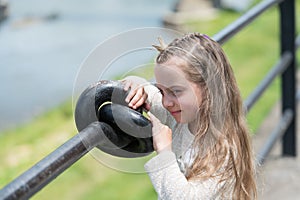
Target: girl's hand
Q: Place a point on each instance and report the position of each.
(137, 95)
(162, 135)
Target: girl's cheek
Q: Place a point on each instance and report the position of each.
(184, 101)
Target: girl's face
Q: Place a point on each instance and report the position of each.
(180, 96)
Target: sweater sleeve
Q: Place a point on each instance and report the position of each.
(170, 183)
(155, 101)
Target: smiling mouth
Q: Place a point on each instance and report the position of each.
(175, 112)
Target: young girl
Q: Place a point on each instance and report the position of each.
(199, 132)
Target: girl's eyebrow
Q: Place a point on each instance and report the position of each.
(157, 85)
(176, 87)
(171, 87)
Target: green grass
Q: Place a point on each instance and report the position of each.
(87, 179)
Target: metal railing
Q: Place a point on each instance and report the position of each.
(285, 67)
(42, 173)
(54, 164)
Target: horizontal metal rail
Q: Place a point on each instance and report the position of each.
(288, 114)
(233, 28)
(277, 133)
(276, 70)
(34, 179)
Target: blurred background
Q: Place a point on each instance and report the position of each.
(44, 42)
(42, 45)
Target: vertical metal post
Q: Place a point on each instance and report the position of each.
(288, 83)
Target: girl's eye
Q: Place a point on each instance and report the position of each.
(176, 92)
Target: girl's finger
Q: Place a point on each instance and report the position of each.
(140, 101)
(157, 126)
(153, 119)
(138, 95)
(127, 85)
(147, 106)
(131, 95)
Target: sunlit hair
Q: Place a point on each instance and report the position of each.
(222, 139)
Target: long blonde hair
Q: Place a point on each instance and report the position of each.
(222, 140)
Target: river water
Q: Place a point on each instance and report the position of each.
(43, 43)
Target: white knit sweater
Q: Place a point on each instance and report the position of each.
(167, 169)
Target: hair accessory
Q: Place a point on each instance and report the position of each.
(162, 45)
(205, 36)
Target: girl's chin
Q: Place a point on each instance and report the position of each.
(182, 120)
(179, 120)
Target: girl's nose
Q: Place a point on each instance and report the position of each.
(167, 101)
